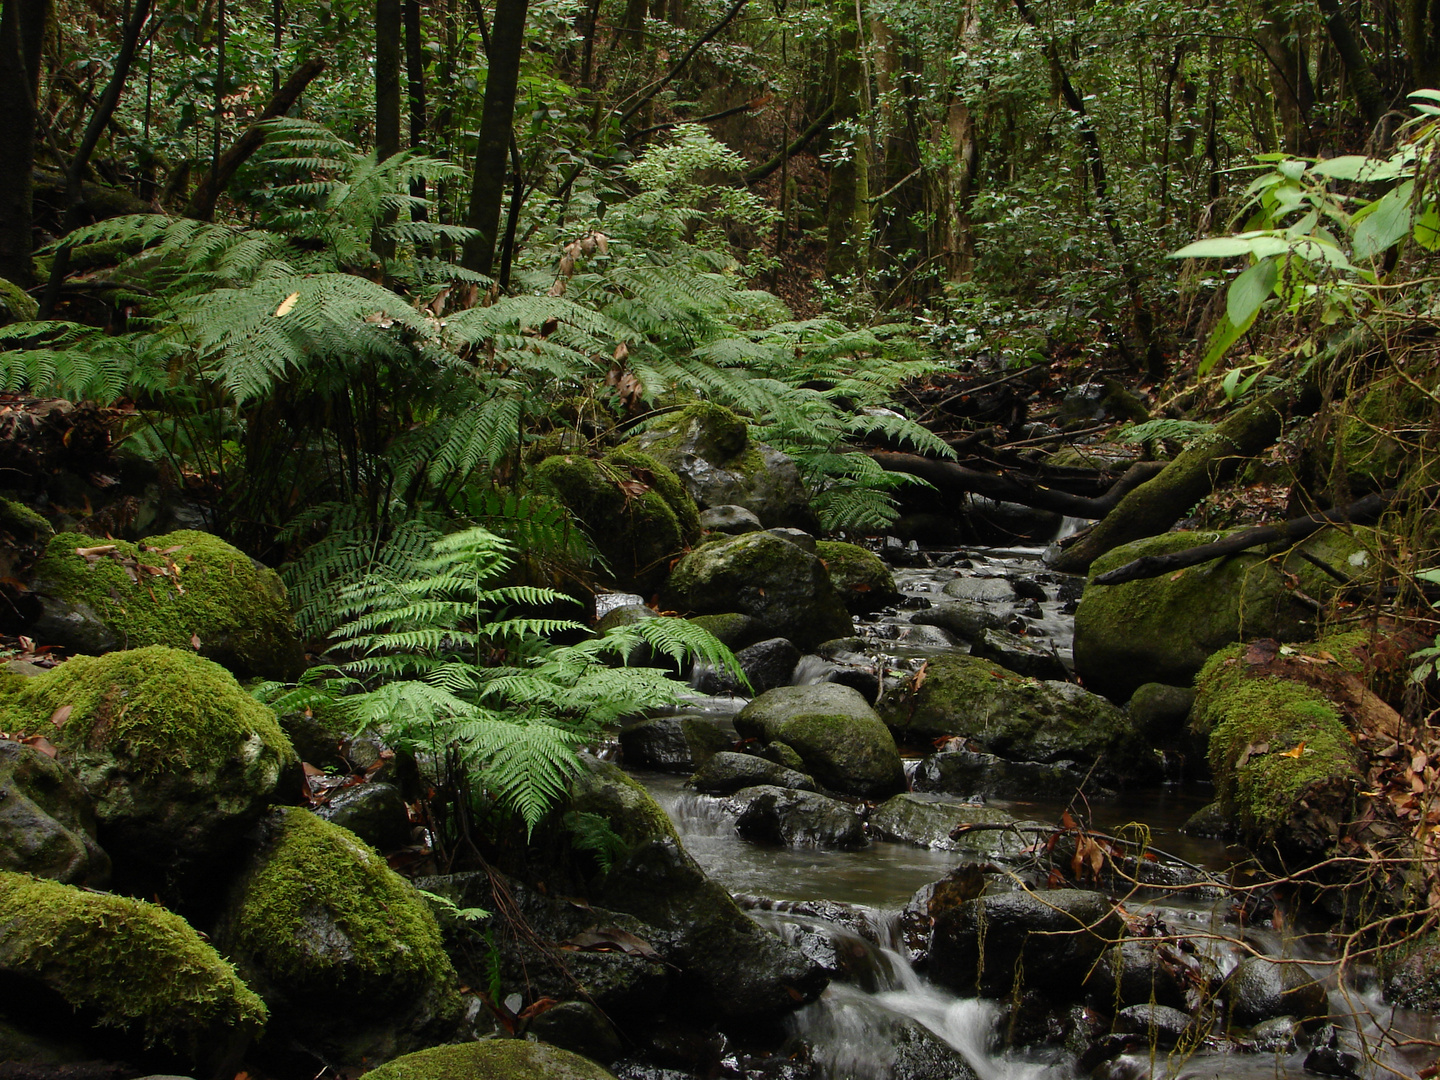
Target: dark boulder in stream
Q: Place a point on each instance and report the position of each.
(728, 772)
(673, 743)
(797, 818)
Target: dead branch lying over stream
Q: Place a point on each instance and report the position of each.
(952, 478)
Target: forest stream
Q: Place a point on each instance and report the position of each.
(852, 1030)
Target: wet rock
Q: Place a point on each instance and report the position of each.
(783, 587)
(728, 966)
(1144, 971)
(1277, 1036)
(980, 590)
(581, 1028)
(862, 578)
(606, 602)
(179, 761)
(76, 958)
(1329, 1058)
(1412, 978)
(918, 635)
(730, 519)
(236, 609)
(47, 824)
(727, 772)
(1019, 719)
(710, 448)
(1261, 988)
(673, 743)
(849, 1037)
(930, 820)
(734, 630)
(842, 741)
(1209, 821)
(766, 664)
(1024, 656)
(1163, 629)
(1049, 940)
(1162, 1026)
(343, 950)
(801, 538)
(1159, 711)
(974, 775)
(375, 812)
(782, 754)
(797, 818)
(1027, 588)
(967, 621)
(502, 1059)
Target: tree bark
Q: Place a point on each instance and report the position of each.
(387, 100)
(846, 237)
(1156, 505)
(819, 124)
(415, 94)
(75, 173)
(22, 28)
(1363, 84)
(487, 191)
(202, 202)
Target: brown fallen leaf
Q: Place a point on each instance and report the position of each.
(611, 939)
(1297, 752)
(60, 715)
(44, 745)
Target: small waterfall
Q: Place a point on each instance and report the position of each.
(811, 670)
(1069, 526)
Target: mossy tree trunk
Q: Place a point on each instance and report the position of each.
(846, 222)
(1157, 504)
(22, 29)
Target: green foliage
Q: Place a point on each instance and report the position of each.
(1184, 431)
(442, 664)
(592, 833)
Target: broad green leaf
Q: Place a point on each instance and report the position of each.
(1250, 290)
(1346, 167)
(1387, 224)
(1427, 229)
(1221, 338)
(1428, 95)
(1291, 169)
(1215, 247)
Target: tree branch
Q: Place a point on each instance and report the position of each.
(760, 172)
(664, 81)
(212, 184)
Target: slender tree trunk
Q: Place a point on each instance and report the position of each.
(1364, 86)
(415, 93)
(387, 102)
(1289, 71)
(1422, 42)
(99, 120)
(846, 220)
(22, 28)
(487, 190)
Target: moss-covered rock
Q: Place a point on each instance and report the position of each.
(179, 760)
(710, 449)
(125, 964)
(1016, 718)
(734, 631)
(635, 510)
(603, 788)
(860, 576)
(491, 1059)
(16, 304)
(47, 825)
(1285, 768)
(1162, 629)
(345, 951)
(784, 588)
(177, 589)
(841, 740)
(1411, 973)
(1377, 437)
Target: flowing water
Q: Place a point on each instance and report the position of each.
(863, 1026)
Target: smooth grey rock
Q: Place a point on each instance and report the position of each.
(673, 743)
(929, 820)
(766, 664)
(976, 775)
(47, 822)
(730, 519)
(966, 620)
(374, 811)
(581, 1028)
(1161, 1025)
(1024, 656)
(1261, 988)
(980, 590)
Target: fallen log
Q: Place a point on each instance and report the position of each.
(1153, 507)
(1358, 512)
(951, 478)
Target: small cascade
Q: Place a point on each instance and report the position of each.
(1069, 526)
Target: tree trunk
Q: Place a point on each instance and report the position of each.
(487, 190)
(846, 234)
(1363, 85)
(1422, 42)
(387, 102)
(415, 93)
(1289, 71)
(1156, 505)
(22, 27)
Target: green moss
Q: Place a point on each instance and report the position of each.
(19, 520)
(491, 1059)
(604, 789)
(186, 585)
(1377, 436)
(165, 710)
(316, 878)
(1254, 722)
(734, 630)
(16, 304)
(139, 966)
(716, 433)
(861, 576)
(666, 484)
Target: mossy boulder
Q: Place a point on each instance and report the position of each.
(491, 1059)
(941, 823)
(860, 576)
(47, 825)
(784, 588)
(673, 743)
(1162, 629)
(189, 590)
(845, 746)
(710, 449)
(179, 761)
(1016, 718)
(727, 966)
(344, 951)
(16, 305)
(1411, 974)
(1285, 768)
(121, 964)
(1377, 439)
(634, 508)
